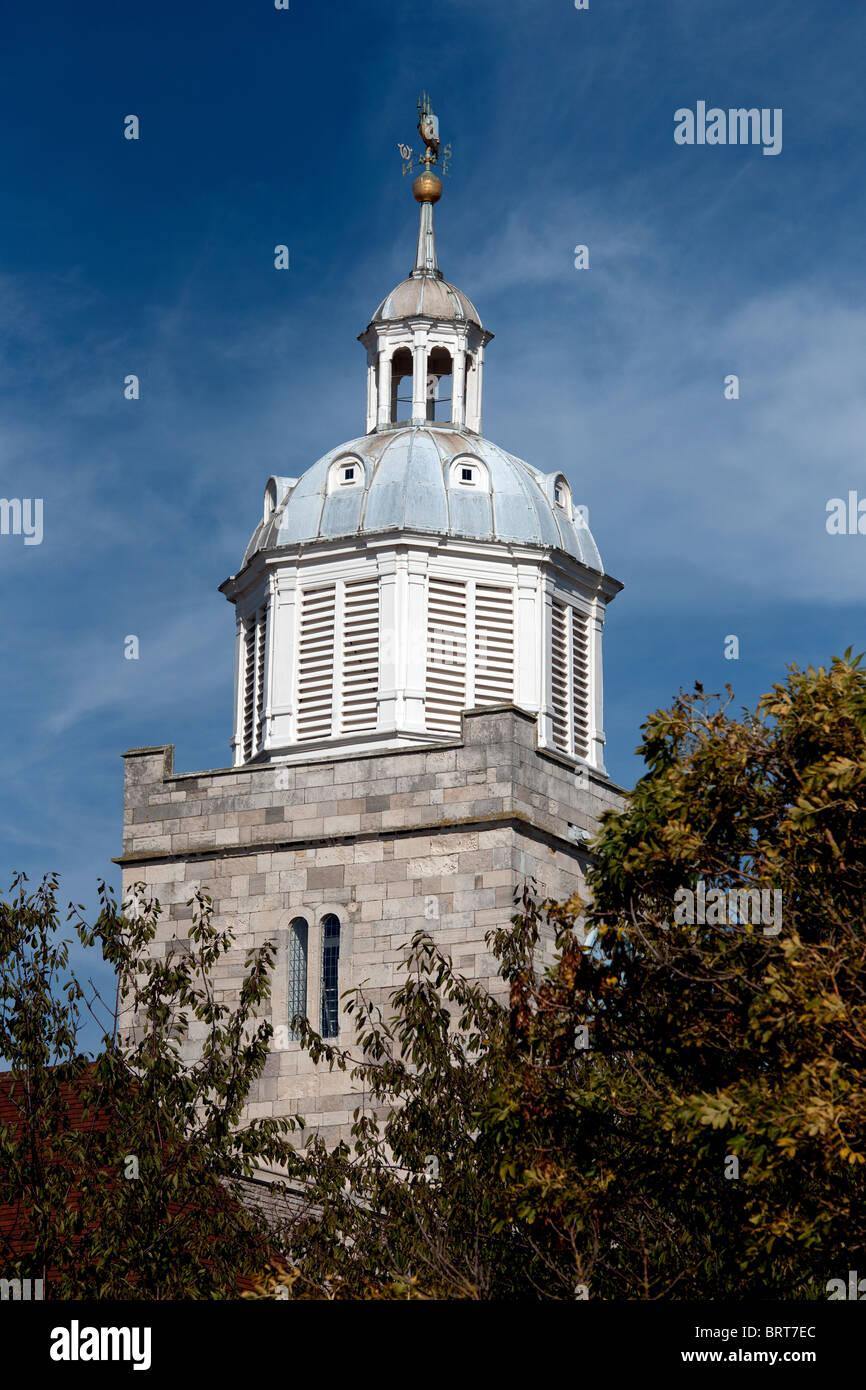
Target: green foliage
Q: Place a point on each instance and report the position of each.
(75, 1210)
(560, 1165)
(571, 1133)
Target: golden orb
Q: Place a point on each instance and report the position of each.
(427, 188)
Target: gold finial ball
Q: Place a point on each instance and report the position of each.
(427, 188)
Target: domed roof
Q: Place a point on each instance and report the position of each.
(408, 482)
(426, 294)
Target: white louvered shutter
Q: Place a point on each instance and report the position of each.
(580, 682)
(446, 655)
(494, 644)
(360, 655)
(261, 642)
(560, 692)
(316, 656)
(249, 687)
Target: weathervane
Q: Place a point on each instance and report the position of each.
(428, 129)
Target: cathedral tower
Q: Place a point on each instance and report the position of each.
(418, 695)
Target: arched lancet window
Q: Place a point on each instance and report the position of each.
(330, 976)
(439, 377)
(299, 934)
(401, 385)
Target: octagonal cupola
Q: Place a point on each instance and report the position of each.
(420, 570)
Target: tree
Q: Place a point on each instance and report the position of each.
(121, 1174)
(673, 1108)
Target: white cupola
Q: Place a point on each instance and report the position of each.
(425, 344)
(419, 570)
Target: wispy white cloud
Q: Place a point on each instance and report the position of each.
(176, 665)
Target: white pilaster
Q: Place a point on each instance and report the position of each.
(237, 741)
(529, 651)
(281, 659)
(416, 642)
(596, 686)
(388, 624)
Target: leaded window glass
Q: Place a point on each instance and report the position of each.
(330, 974)
(298, 947)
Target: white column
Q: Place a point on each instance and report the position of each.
(388, 637)
(528, 645)
(384, 388)
(416, 643)
(596, 686)
(419, 379)
(479, 382)
(372, 406)
(470, 392)
(281, 660)
(458, 385)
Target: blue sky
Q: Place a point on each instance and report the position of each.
(261, 127)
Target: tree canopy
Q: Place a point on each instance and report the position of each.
(122, 1175)
(672, 1109)
(662, 1100)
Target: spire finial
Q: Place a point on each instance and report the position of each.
(427, 187)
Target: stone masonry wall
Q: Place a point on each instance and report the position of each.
(435, 838)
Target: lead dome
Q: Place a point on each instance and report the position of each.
(429, 480)
(426, 296)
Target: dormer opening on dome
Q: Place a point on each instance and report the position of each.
(562, 495)
(276, 491)
(346, 472)
(466, 471)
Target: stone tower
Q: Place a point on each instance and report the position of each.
(418, 697)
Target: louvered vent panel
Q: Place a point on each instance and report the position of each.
(580, 682)
(446, 655)
(261, 639)
(494, 644)
(559, 652)
(249, 688)
(316, 663)
(360, 655)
